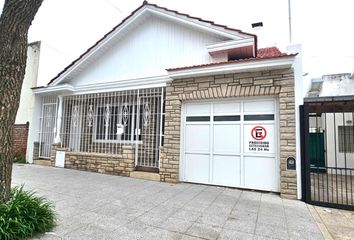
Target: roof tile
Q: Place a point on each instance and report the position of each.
(262, 53)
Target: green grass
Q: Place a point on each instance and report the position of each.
(25, 215)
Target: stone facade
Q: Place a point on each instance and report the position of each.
(279, 83)
(35, 150)
(119, 164)
(20, 135)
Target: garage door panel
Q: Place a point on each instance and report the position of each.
(260, 173)
(231, 143)
(198, 108)
(227, 138)
(197, 138)
(227, 108)
(197, 168)
(261, 146)
(226, 170)
(259, 106)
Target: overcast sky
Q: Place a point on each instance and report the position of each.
(67, 28)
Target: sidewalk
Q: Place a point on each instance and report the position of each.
(334, 223)
(98, 206)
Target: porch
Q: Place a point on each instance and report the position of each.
(113, 132)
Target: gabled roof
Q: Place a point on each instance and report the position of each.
(262, 54)
(205, 24)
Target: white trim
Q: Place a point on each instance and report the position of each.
(59, 118)
(98, 46)
(233, 67)
(51, 89)
(227, 45)
(159, 12)
(120, 85)
(201, 25)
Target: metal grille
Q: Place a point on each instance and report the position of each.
(104, 122)
(346, 139)
(328, 161)
(47, 125)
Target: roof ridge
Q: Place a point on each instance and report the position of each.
(201, 19)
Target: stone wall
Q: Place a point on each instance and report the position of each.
(20, 135)
(279, 83)
(119, 164)
(35, 150)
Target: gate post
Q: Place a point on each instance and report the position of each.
(305, 162)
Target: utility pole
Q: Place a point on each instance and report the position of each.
(289, 13)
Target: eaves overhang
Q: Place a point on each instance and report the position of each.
(233, 67)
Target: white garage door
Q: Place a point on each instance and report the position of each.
(231, 143)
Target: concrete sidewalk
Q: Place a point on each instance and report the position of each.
(97, 206)
(334, 223)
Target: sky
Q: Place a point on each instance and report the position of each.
(66, 28)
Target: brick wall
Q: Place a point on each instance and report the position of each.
(279, 83)
(118, 164)
(20, 136)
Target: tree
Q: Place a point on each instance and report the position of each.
(15, 20)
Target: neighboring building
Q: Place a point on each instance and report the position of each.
(24, 113)
(339, 150)
(328, 142)
(341, 84)
(177, 98)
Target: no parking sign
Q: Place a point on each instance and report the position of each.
(258, 133)
(259, 138)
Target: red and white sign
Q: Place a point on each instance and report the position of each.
(258, 133)
(259, 138)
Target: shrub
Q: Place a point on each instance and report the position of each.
(20, 159)
(25, 215)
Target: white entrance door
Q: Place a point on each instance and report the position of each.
(231, 143)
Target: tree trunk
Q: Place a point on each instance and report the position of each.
(15, 20)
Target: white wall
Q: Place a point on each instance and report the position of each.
(148, 50)
(33, 132)
(332, 148)
(337, 87)
(24, 113)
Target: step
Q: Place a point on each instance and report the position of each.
(42, 162)
(145, 175)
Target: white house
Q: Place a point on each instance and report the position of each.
(177, 98)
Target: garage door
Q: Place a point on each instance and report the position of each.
(231, 143)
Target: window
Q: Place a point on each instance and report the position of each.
(261, 117)
(198, 119)
(227, 118)
(116, 123)
(346, 139)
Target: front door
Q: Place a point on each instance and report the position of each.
(148, 131)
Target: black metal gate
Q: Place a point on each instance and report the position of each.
(327, 149)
